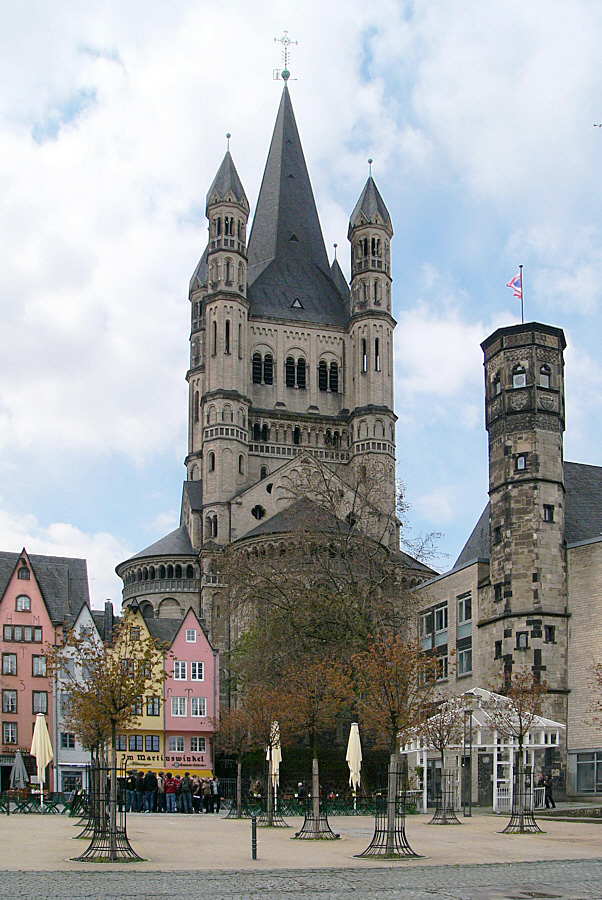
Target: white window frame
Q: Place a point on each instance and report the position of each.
(37, 702)
(197, 671)
(201, 745)
(191, 635)
(198, 707)
(20, 605)
(9, 701)
(465, 661)
(463, 601)
(179, 670)
(9, 663)
(39, 663)
(178, 707)
(9, 732)
(175, 744)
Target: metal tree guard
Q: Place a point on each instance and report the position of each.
(521, 819)
(389, 840)
(445, 812)
(316, 828)
(107, 845)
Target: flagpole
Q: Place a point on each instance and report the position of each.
(522, 297)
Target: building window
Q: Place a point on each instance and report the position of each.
(268, 369)
(465, 661)
(175, 744)
(198, 745)
(263, 473)
(376, 355)
(121, 742)
(178, 707)
(334, 378)
(258, 512)
(289, 372)
(522, 640)
(214, 338)
(40, 702)
(442, 668)
(227, 337)
(179, 670)
(153, 706)
(441, 624)
(9, 701)
(464, 608)
(322, 376)
(548, 513)
(197, 672)
(211, 461)
(241, 464)
(67, 740)
(519, 377)
(137, 708)
(549, 634)
(364, 355)
(9, 732)
(297, 435)
(498, 592)
(497, 385)
(198, 706)
(23, 573)
(151, 743)
(301, 380)
(497, 650)
(191, 636)
(520, 462)
(9, 663)
(497, 534)
(265, 433)
(544, 376)
(38, 664)
(22, 633)
(23, 604)
(426, 630)
(135, 742)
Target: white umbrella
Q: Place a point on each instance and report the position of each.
(354, 758)
(18, 774)
(41, 748)
(274, 756)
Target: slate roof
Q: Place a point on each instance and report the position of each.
(583, 513)
(370, 206)
(199, 276)
(227, 180)
(194, 493)
(164, 630)
(176, 543)
(63, 582)
(287, 258)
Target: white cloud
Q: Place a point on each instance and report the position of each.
(102, 551)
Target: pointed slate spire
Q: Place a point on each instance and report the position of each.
(336, 273)
(286, 210)
(226, 182)
(370, 208)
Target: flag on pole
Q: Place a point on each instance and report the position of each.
(517, 285)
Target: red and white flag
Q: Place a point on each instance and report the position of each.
(517, 285)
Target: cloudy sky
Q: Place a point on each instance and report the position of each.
(479, 116)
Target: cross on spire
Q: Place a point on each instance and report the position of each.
(286, 43)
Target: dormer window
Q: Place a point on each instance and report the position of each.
(519, 377)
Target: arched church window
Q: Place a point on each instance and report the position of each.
(211, 462)
(241, 276)
(268, 369)
(256, 432)
(364, 246)
(263, 473)
(297, 435)
(265, 433)
(366, 290)
(377, 292)
(545, 377)
(322, 375)
(364, 355)
(334, 378)
(227, 415)
(162, 572)
(336, 439)
(289, 372)
(227, 337)
(328, 438)
(170, 571)
(258, 512)
(239, 341)
(217, 226)
(519, 377)
(301, 373)
(241, 464)
(376, 355)
(151, 573)
(214, 338)
(256, 368)
(196, 406)
(375, 246)
(189, 571)
(497, 384)
(178, 571)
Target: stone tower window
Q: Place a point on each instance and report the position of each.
(519, 377)
(256, 368)
(256, 432)
(196, 406)
(544, 376)
(268, 369)
(263, 473)
(241, 464)
(323, 376)
(289, 372)
(334, 378)
(227, 337)
(297, 435)
(548, 513)
(364, 355)
(301, 380)
(258, 512)
(520, 462)
(376, 355)
(265, 433)
(227, 414)
(497, 384)
(211, 462)
(376, 247)
(214, 339)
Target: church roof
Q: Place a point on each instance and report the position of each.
(199, 276)
(62, 580)
(288, 270)
(336, 273)
(227, 180)
(176, 543)
(582, 518)
(370, 207)
(194, 494)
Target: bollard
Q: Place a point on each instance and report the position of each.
(253, 837)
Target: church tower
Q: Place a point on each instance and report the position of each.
(372, 420)
(526, 615)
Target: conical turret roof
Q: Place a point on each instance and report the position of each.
(289, 274)
(370, 207)
(227, 181)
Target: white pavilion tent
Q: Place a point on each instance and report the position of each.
(480, 734)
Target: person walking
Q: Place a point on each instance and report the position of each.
(215, 795)
(548, 792)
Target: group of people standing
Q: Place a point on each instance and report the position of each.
(163, 792)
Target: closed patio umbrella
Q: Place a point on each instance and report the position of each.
(274, 757)
(41, 748)
(354, 759)
(19, 778)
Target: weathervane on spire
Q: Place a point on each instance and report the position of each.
(286, 43)
(370, 161)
